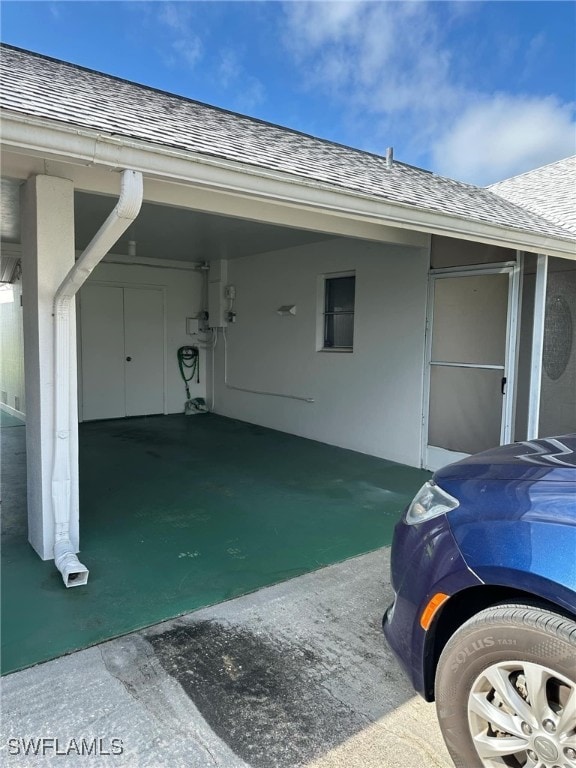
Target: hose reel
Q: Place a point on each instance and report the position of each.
(189, 365)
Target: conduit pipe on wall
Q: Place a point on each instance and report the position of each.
(244, 389)
(74, 573)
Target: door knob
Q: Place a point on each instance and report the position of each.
(128, 359)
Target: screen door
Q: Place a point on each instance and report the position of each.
(468, 360)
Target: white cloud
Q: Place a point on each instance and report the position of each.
(317, 23)
(384, 60)
(176, 16)
(393, 68)
(186, 46)
(248, 91)
(250, 94)
(189, 49)
(505, 135)
(229, 68)
(388, 53)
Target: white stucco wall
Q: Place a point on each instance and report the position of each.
(183, 291)
(12, 351)
(558, 395)
(369, 400)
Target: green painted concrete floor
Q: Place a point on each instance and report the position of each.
(182, 512)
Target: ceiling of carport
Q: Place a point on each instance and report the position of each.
(165, 232)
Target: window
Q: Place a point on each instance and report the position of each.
(339, 312)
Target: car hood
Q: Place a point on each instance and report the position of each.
(549, 459)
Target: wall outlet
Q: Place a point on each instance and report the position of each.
(230, 292)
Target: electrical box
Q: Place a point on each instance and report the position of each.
(192, 326)
(217, 300)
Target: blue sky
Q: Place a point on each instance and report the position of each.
(478, 91)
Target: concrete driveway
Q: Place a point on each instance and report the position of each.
(293, 675)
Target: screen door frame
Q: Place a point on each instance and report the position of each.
(434, 457)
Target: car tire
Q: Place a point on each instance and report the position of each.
(485, 683)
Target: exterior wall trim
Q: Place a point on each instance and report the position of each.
(34, 136)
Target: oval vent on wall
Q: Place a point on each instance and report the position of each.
(558, 336)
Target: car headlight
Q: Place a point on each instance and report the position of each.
(429, 502)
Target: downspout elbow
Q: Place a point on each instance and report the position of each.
(74, 573)
(125, 211)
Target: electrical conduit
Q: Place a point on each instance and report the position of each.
(245, 389)
(74, 573)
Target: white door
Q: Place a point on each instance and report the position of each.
(469, 363)
(144, 351)
(122, 337)
(102, 335)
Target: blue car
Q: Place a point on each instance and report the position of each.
(484, 617)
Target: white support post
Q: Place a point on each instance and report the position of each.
(47, 257)
(513, 323)
(537, 346)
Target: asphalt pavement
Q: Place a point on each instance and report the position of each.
(293, 675)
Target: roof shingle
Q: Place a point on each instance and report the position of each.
(549, 191)
(50, 89)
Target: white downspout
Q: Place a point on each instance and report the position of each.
(127, 208)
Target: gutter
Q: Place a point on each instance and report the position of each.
(67, 143)
(74, 573)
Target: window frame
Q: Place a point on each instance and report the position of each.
(324, 312)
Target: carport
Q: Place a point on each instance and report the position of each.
(180, 512)
(340, 303)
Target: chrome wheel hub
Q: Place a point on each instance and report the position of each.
(523, 715)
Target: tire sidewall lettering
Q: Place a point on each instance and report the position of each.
(476, 646)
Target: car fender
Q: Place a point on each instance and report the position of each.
(534, 556)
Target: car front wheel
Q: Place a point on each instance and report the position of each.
(506, 690)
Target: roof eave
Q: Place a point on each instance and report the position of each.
(64, 142)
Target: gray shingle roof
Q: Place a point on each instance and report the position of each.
(46, 88)
(549, 191)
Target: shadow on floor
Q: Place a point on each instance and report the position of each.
(179, 513)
